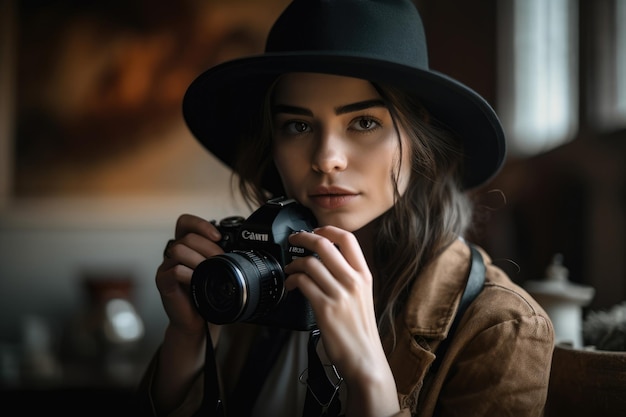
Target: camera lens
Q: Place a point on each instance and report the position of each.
(223, 293)
(237, 286)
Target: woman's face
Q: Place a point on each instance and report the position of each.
(336, 148)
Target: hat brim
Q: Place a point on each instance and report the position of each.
(222, 105)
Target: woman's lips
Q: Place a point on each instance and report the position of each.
(332, 201)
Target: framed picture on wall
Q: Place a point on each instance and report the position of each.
(95, 113)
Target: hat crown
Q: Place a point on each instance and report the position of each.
(388, 30)
(378, 40)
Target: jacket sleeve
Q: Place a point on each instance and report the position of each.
(503, 371)
(145, 403)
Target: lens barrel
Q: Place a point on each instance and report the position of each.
(237, 286)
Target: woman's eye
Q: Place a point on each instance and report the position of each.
(296, 127)
(365, 123)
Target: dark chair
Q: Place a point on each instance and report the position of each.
(586, 383)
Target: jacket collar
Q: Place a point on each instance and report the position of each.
(435, 294)
(430, 309)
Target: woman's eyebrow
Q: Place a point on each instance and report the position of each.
(360, 105)
(348, 108)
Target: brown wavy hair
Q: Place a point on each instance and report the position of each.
(429, 216)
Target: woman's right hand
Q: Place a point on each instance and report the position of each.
(195, 240)
(182, 352)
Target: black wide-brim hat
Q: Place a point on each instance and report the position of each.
(378, 40)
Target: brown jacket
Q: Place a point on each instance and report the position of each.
(497, 364)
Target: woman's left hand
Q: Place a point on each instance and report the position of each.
(339, 287)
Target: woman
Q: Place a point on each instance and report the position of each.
(343, 115)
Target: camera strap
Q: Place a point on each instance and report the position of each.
(473, 287)
(212, 404)
(322, 394)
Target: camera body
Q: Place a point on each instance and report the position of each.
(247, 282)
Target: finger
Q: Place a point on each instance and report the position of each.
(347, 244)
(173, 286)
(180, 253)
(315, 268)
(166, 251)
(332, 256)
(312, 278)
(188, 223)
(170, 277)
(192, 249)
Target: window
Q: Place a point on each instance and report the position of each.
(538, 76)
(607, 80)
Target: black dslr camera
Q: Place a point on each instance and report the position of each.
(246, 283)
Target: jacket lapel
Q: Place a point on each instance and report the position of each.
(426, 320)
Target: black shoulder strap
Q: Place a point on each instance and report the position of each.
(474, 286)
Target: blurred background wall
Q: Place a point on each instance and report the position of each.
(97, 164)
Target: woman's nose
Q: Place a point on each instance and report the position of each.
(330, 153)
